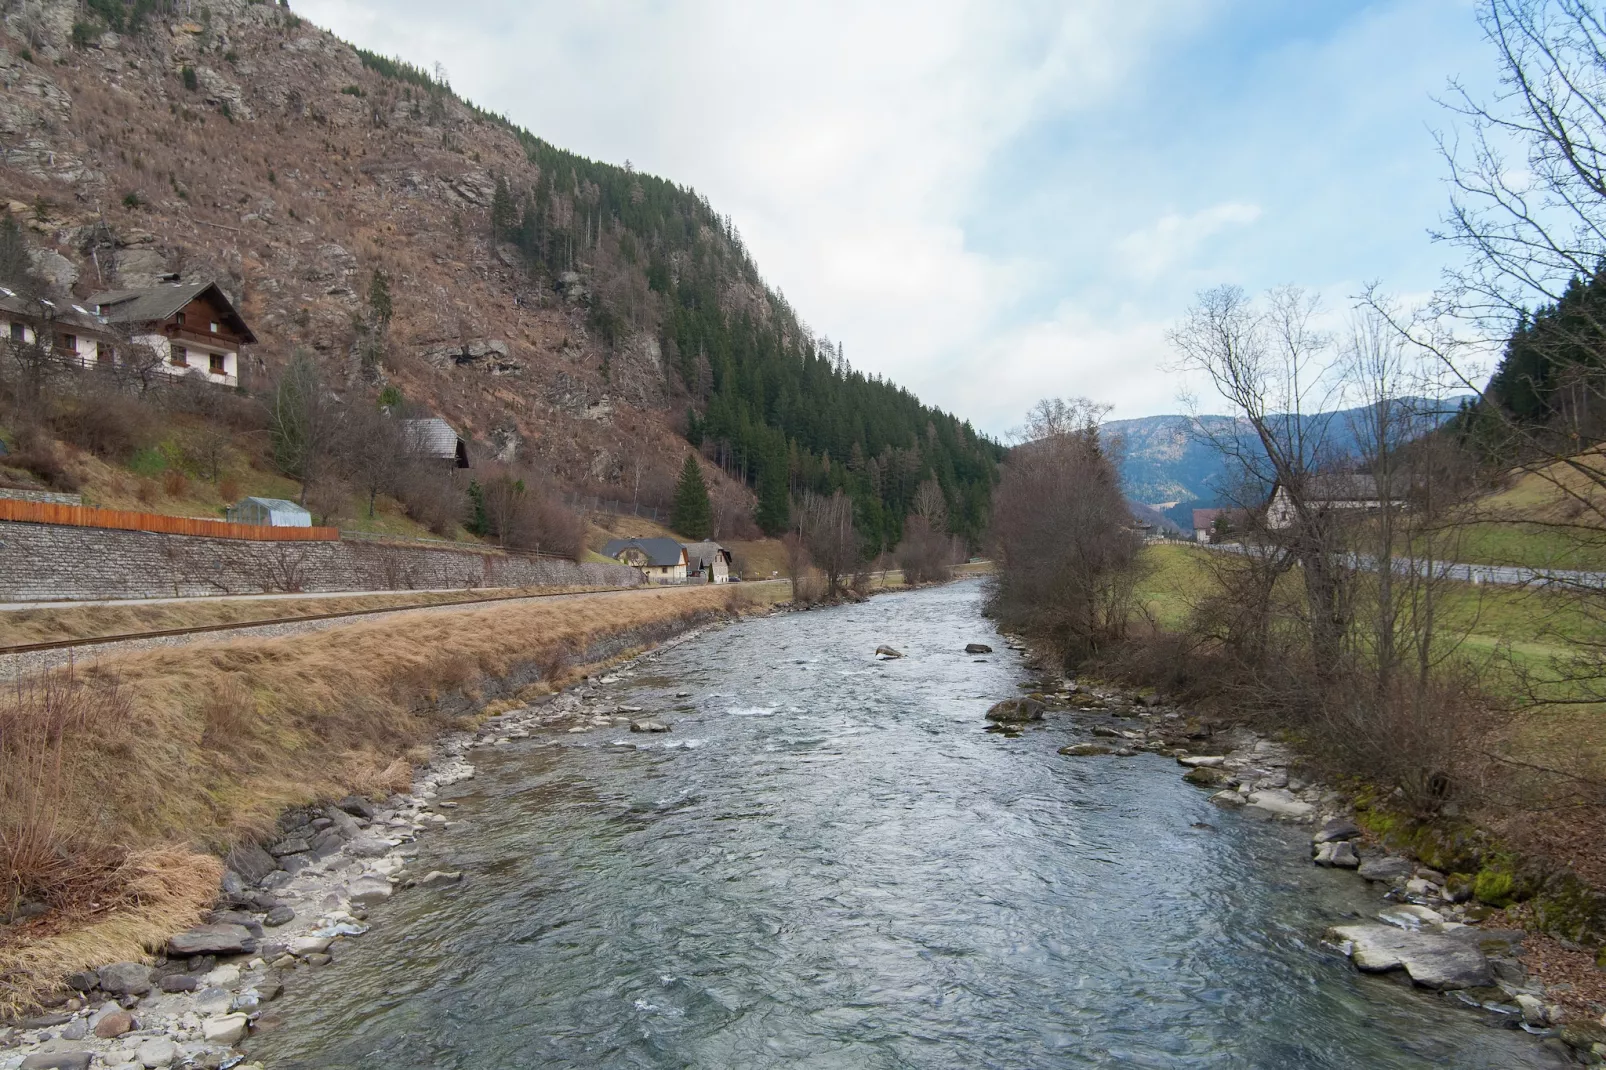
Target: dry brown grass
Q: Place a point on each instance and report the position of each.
(85, 622)
(221, 736)
(162, 890)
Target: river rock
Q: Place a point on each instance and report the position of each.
(310, 945)
(78, 1029)
(887, 653)
(368, 847)
(114, 1025)
(437, 878)
(1339, 854)
(224, 939)
(1431, 960)
(1389, 869)
(1412, 917)
(1206, 776)
(370, 888)
(978, 648)
(251, 862)
(1281, 804)
(157, 1052)
(1016, 711)
(1084, 750)
(178, 982)
(1202, 761)
(1228, 799)
(279, 915)
(1533, 1010)
(1340, 828)
(125, 978)
(57, 1060)
(357, 806)
(648, 726)
(227, 1029)
(213, 1000)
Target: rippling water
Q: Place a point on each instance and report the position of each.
(828, 864)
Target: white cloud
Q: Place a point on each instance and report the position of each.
(1173, 239)
(965, 192)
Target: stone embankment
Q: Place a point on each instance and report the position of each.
(1427, 926)
(288, 904)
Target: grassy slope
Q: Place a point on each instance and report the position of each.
(1516, 524)
(1501, 629)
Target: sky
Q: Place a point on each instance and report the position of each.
(993, 201)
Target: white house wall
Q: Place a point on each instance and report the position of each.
(197, 358)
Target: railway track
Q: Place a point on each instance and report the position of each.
(167, 633)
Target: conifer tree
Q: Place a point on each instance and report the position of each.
(693, 516)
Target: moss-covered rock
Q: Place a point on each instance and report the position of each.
(1568, 908)
(1495, 886)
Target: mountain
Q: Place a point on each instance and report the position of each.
(1169, 462)
(585, 319)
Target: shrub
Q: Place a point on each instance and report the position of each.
(191, 82)
(429, 497)
(132, 200)
(110, 425)
(40, 716)
(82, 34)
(175, 484)
(34, 451)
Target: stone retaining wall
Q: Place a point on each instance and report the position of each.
(47, 497)
(49, 562)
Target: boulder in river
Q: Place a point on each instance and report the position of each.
(648, 726)
(978, 648)
(1280, 804)
(1390, 869)
(225, 939)
(887, 653)
(1228, 799)
(1084, 750)
(226, 1029)
(1340, 828)
(1016, 711)
(437, 878)
(1339, 854)
(1432, 960)
(1202, 761)
(1207, 776)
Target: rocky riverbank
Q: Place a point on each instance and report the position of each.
(1427, 927)
(285, 905)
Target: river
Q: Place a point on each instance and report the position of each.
(829, 864)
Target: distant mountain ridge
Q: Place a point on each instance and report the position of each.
(1168, 461)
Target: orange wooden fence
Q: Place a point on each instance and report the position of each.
(82, 516)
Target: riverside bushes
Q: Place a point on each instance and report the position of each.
(1065, 550)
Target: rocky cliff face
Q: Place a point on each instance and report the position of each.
(247, 146)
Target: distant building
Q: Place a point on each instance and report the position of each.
(80, 337)
(708, 562)
(1325, 492)
(1209, 525)
(662, 560)
(269, 513)
(192, 327)
(435, 439)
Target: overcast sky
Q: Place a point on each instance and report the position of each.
(997, 200)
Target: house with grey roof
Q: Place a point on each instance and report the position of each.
(662, 560)
(433, 438)
(708, 562)
(192, 327)
(1326, 492)
(75, 334)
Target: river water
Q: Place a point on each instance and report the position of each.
(829, 864)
